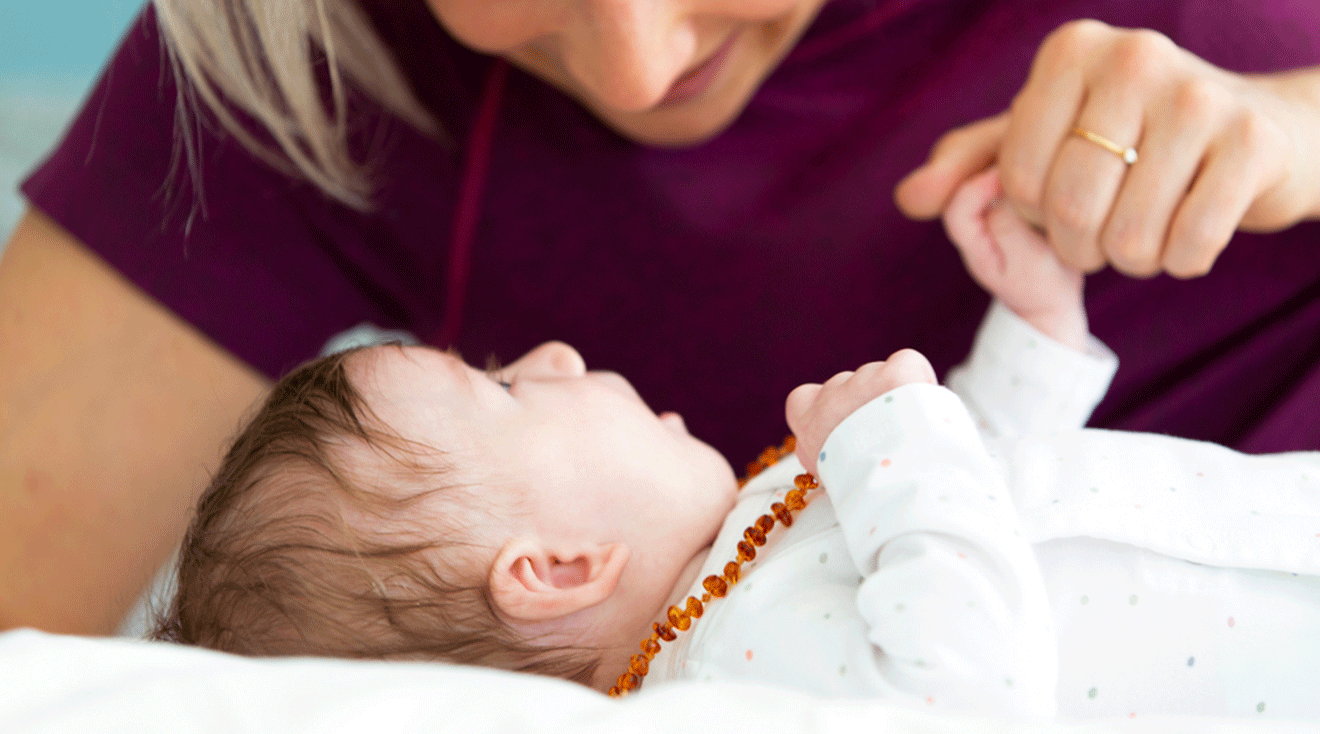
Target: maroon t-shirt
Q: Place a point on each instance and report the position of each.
(715, 277)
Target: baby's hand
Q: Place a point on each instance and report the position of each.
(1011, 260)
(814, 411)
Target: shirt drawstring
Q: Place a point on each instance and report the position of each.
(476, 164)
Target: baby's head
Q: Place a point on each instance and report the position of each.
(393, 502)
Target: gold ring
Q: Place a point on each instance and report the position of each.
(1128, 155)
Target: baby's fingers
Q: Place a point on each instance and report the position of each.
(1034, 275)
(814, 411)
(795, 407)
(1022, 246)
(965, 223)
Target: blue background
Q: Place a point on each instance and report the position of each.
(50, 53)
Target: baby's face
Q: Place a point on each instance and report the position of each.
(578, 452)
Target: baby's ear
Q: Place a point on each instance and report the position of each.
(532, 582)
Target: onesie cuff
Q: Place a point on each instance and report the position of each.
(1018, 376)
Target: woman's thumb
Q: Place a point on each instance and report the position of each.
(957, 156)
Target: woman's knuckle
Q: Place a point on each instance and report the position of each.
(1196, 242)
(1197, 99)
(1129, 244)
(1253, 131)
(1073, 212)
(1073, 40)
(1126, 247)
(1156, 41)
(1184, 268)
(1086, 258)
(1193, 258)
(1137, 261)
(1142, 55)
(1022, 183)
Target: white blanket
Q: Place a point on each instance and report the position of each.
(51, 683)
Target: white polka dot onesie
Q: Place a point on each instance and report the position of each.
(977, 550)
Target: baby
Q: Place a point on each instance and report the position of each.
(972, 548)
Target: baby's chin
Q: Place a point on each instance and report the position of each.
(722, 474)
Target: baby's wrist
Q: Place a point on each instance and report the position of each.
(1067, 326)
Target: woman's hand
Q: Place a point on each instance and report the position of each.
(1217, 152)
(813, 411)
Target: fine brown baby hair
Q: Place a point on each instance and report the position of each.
(296, 550)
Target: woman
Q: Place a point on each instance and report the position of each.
(671, 185)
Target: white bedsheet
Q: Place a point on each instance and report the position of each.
(51, 683)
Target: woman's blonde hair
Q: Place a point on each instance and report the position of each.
(262, 58)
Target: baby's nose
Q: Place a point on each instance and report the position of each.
(551, 359)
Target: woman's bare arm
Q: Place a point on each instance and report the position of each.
(113, 413)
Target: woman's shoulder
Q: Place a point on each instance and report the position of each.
(227, 241)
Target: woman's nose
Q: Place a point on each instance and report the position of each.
(627, 53)
(549, 360)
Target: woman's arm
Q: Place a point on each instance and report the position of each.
(112, 416)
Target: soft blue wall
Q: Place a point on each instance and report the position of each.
(59, 37)
(50, 52)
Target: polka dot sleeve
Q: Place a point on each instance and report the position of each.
(1018, 381)
(951, 593)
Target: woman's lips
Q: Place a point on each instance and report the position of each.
(695, 81)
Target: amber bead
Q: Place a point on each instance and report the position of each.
(732, 571)
(679, 618)
(745, 551)
(716, 586)
(694, 608)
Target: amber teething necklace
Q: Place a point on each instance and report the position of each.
(680, 619)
